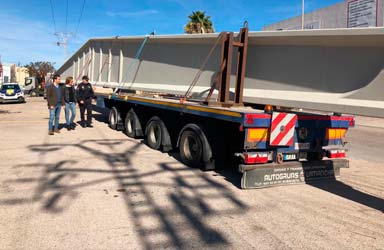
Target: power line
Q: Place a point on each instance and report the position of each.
(81, 15)
(63, 37)
(53, 15)
(66, 18)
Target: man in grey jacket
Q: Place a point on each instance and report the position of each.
(55, 99)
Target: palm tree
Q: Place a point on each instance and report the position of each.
(199, 23)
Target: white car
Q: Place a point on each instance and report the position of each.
(11, 92)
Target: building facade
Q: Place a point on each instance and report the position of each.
(21, 74)
(346, 14)
(13, 73)
(8, 74)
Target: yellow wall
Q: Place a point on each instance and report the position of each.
(21, 74)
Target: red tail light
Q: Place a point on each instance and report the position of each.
(336, 153)
(252, 158)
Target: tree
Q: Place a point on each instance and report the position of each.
(40, 69)
(199, 23)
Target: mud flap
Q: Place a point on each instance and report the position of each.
(268, 175)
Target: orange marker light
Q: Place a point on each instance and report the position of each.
(268, 108)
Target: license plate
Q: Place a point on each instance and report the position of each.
(302, 145)
(289, 157)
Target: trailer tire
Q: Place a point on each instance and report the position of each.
(195, 150)
(154, 133)
(132, 125)
(114, 118)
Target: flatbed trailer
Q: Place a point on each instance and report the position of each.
(268, 147)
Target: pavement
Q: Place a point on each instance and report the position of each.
(366, 121)
(95, 188)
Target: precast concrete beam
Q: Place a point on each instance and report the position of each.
(339, 70)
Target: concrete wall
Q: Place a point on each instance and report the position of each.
(334, 16)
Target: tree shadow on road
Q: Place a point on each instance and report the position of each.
(189, 197)
(343, 190)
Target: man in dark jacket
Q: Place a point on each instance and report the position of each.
(85, 94)
(70, 102)
(55, 100)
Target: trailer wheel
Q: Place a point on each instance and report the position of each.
(191, 149)
(195, 151)
(157, 136)
(132, 125)
(153, 133)
(114, 118)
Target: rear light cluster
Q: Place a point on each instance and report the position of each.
(335, 133)
(352, 122)
(257, 134)
(252, 158)
(336, 153)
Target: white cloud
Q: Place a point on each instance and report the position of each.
(132, 13)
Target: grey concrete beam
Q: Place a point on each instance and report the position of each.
(343, 68)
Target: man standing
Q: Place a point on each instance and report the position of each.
(85, 95)
(70, 102)
(55, 99)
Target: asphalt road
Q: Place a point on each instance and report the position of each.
(367, 143)
(95, 188)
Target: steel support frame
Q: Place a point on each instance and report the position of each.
(223, 79)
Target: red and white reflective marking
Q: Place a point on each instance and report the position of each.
(338, 153)
(282, 129)
(251, 158)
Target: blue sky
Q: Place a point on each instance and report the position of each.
(27, 26)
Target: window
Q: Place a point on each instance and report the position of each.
(9, 86)
(28, 82)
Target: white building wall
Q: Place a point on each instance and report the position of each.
(6, 76)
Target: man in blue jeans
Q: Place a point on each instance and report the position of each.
(70, 102)
(55, 99)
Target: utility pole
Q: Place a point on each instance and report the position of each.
(63, 41)
(302, 13)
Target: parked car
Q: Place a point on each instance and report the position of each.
(11, 92)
